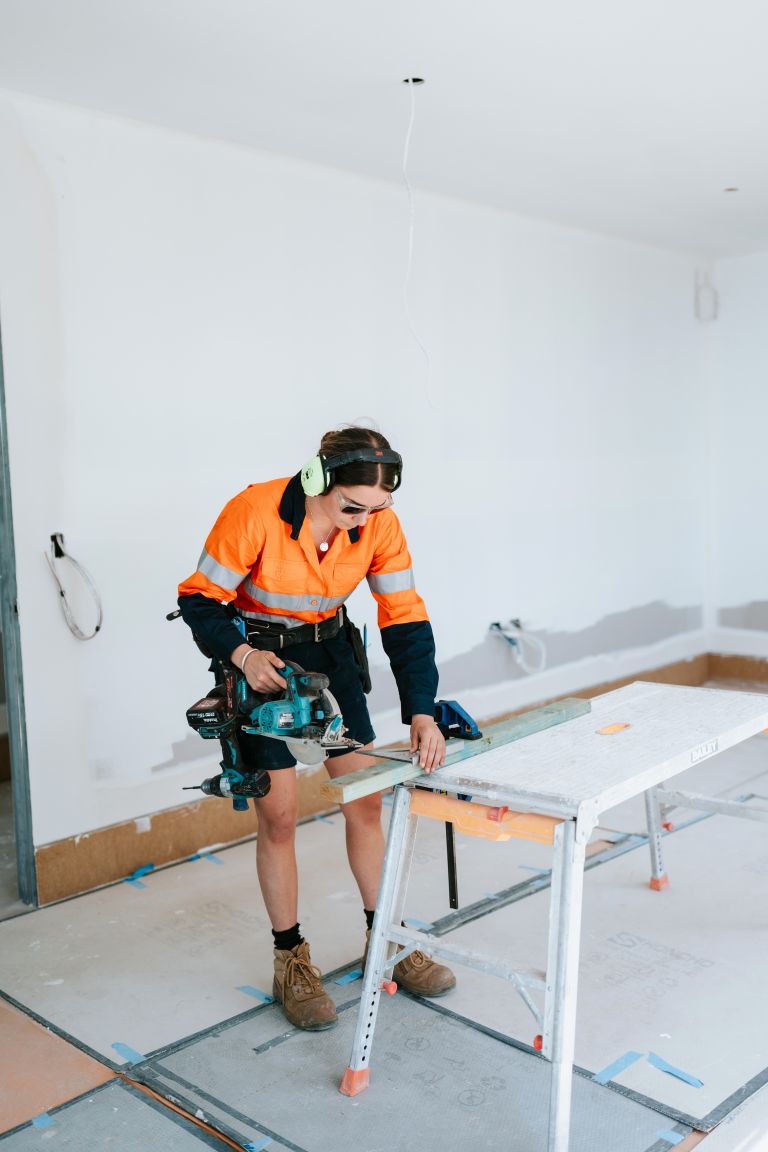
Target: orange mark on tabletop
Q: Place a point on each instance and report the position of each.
(612, 729)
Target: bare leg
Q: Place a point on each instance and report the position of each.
(276, 850)
(365, 839)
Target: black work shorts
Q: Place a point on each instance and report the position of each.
(336, 659)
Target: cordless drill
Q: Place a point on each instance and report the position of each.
(304, 715)
(215, 717)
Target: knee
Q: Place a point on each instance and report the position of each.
(278, 827)
(365, 812)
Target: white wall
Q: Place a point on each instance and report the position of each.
(739, 552)
(182, 317)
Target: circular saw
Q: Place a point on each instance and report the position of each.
(305, 715)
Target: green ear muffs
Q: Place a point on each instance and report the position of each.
(313, 477)
(317, 473)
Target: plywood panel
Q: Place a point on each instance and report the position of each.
(39, 1070)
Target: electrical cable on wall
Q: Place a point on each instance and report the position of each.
(412, 83)
(58, 553)
(518, 640)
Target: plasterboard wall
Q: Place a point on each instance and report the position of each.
(739, 554)
(183, 317)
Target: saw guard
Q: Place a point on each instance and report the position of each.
(306, 751)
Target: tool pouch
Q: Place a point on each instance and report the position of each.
(360, 654)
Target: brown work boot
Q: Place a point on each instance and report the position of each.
(298, 988)
(420, 974)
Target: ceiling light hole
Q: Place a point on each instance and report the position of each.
(414, 80)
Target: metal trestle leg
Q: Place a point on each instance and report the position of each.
(381, 951)
(562, 978)
(659, 878)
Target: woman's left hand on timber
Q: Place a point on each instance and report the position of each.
(428, 741)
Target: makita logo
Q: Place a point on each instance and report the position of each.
(704, 750)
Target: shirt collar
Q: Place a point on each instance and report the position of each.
(293, 509)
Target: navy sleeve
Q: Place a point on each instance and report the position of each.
(411, 652)
(211, 623)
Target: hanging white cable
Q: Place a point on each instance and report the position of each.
(58, 553)
(518, 639)
(412, 82)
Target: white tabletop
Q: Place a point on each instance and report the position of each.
(573, 766)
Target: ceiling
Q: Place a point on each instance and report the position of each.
(617, 117)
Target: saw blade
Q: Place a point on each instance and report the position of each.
(306, 751)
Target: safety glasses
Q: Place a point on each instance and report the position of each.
(350, 509)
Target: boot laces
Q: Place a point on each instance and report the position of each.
(299, 970)
(419, 959)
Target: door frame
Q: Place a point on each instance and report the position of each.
(14, 679)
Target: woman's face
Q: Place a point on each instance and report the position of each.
(349, 506)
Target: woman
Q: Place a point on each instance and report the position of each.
(284, 556)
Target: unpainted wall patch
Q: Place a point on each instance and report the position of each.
(492, 661)
(753, 615)
(187, 751)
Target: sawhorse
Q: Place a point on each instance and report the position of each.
(557, 1023)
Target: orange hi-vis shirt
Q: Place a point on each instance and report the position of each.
(261, 558)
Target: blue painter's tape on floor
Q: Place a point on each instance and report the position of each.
(129, 1054)
(670, 1137)
(257, 994)
(350, 977)
(213, 859)
(660, 1063)
(258, 1147)
(42, 1121)
(134, 877)
(324, 820)
(613, 1070)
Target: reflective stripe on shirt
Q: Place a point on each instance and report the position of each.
(268, 618)
(387, 582)
(305, 603)
(217, 573)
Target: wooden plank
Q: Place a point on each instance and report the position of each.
(380, 776)
(482, 820)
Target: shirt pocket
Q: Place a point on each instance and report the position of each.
(280, 575)
(346, 578)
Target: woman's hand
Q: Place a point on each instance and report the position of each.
(428, 741)
(260, 668)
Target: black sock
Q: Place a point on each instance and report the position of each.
(287, 940)
(369, 917)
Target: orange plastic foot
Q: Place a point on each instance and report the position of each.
(389, 986)
(538, 1043)
(659, 884)
(668, 826)
(354, 1082)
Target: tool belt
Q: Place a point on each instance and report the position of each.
(276, 637)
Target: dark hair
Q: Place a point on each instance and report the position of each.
(359, 471)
